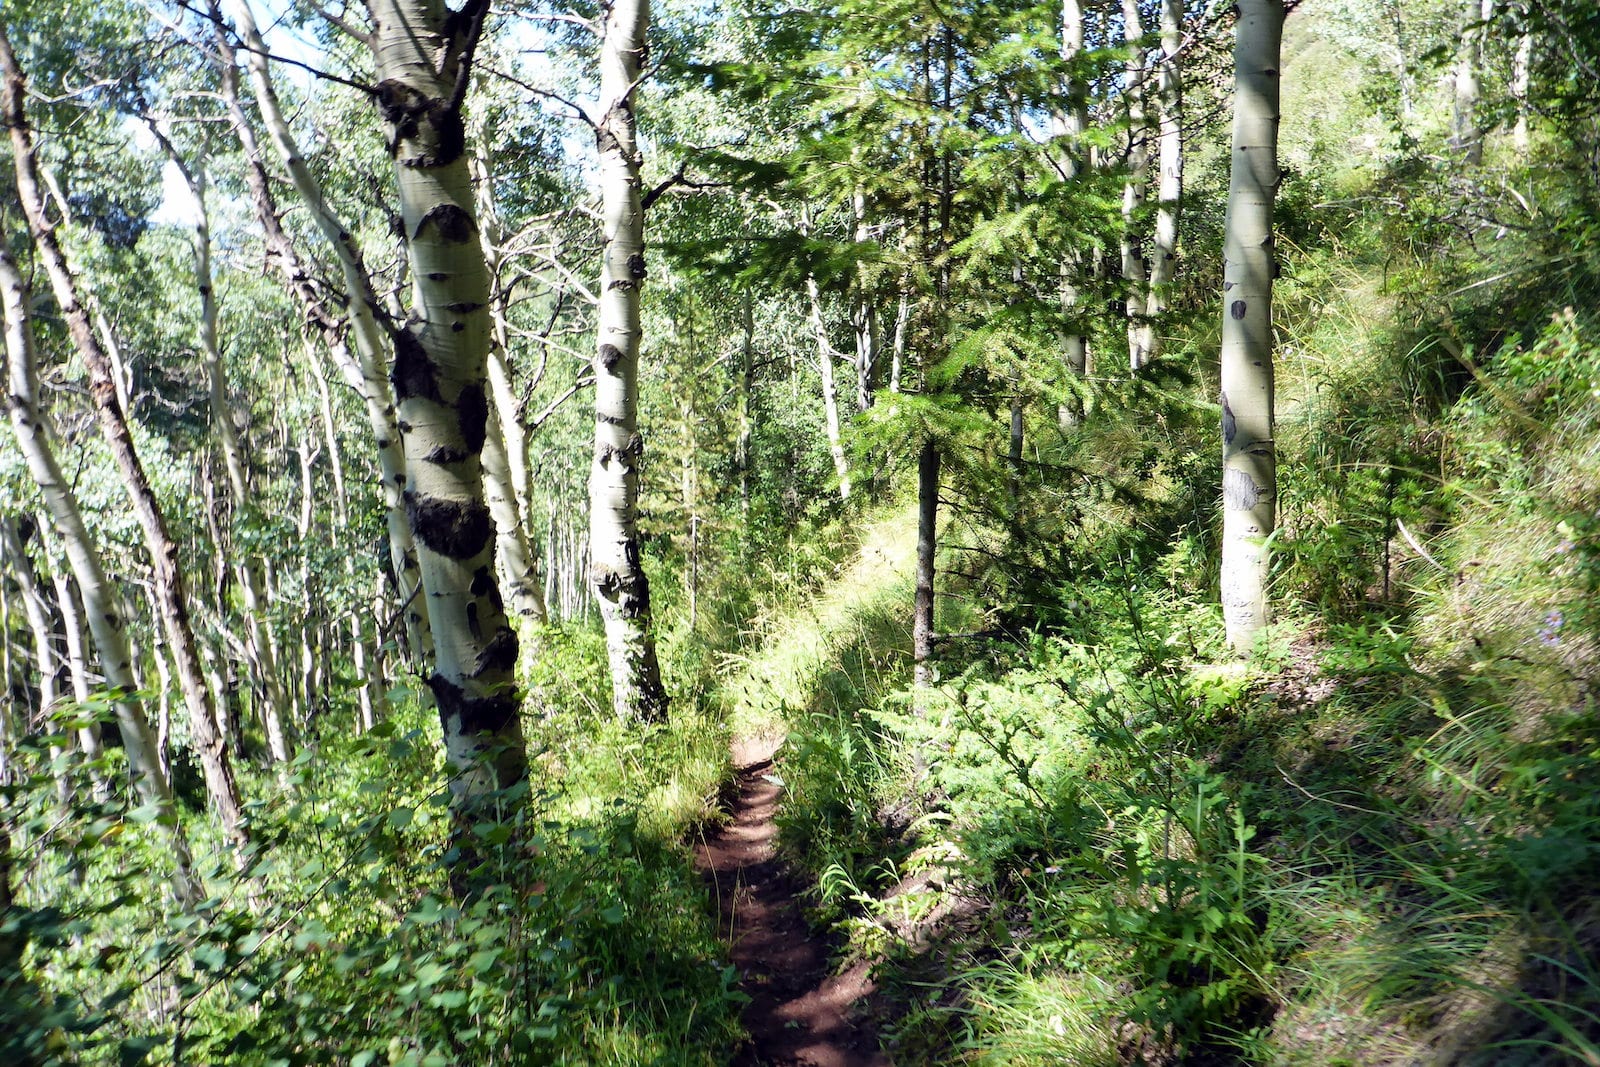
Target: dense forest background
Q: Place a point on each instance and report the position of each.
(436, 436)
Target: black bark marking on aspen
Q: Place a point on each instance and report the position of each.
(482, 582)
(474, 627)
(608, 419)
(1230, 425)
(636, 267)
(112, 620)
(621, 283)
(384, 442)
(606, 141)
(1237, 309)
(453, 222)
(450, 133)
(414, 374)
(456, 529)
(446, 454)
(499, 656)
(634, 448)
(472, 411)
(457, 327)
(471, 715)
(401, 107)
(438, 276)
(463, 307)
(610, 356)
(405, 427)
(205, 290)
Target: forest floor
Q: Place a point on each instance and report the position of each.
(800, 1014)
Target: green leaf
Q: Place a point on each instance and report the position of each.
(134, 1050)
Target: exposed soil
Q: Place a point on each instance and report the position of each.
(799, 1014)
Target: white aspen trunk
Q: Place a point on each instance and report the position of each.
(1521, 81)
(73, 629)
(505, 464)
(163, 551)
(1249, 453)
(616, 565)
(262, 655)
(897, 360)
(863, 315)
(368, 373)
(830, 389)
(423, 62)
(1466, 135)
(107, 624)
(1070, 122)
(1169, 196)
(1135, 188)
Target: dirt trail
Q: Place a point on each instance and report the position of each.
(799, 1014)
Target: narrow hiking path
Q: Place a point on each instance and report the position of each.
(800, 1014)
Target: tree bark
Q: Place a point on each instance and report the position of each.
(1135, 188)
(1521, 80)
(423, 56)
(262, 655)
(1466, 134)
(163, 551)
(1071, 121)
(922, 619)
(616, 567)
(368, 372)
(830, 389)
(1249, 454)
(107, 625)
(505, 465)
(1169, 195)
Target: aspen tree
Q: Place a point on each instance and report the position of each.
(1135, 187)
(423, 56)
(162, 550)
(1249, 454)
(368, 372)
(616, 565)
(1069, 122)
(505, 449)
(105, 618)
(1169, 190)
(262, 654)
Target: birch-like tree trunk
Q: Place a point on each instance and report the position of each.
(1070, 121)
(616, 566)
(1135, 187)
(1169, 194)
(1466, 131)
(74, 630)
(163, 551)
(1521, 81)
(1249, 454)
(105, 618)
(830, 388)
(368, 372)
(505, 466)
(423, 56)
(262, 655)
